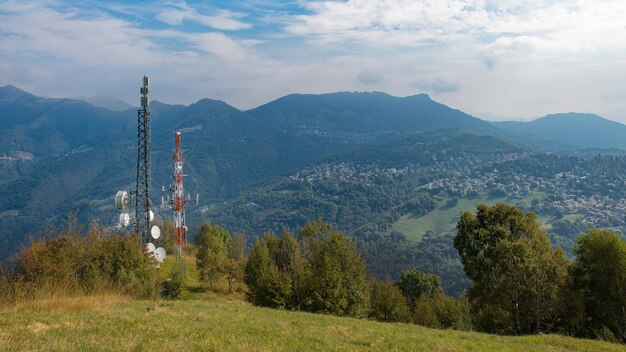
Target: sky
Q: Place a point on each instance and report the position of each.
(496, 59)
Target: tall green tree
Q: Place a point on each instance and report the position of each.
(599, 275)
(212, 244)
(516, 274)
(340, 285)
(236, 262)
(267, 275)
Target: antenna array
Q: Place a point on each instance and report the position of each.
(143, 214)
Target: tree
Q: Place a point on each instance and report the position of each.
(599, 276)
(429, 305)
(340, 286)
(415, 284)
(236, 262)
(168, 240)
(515, 272)
(323, 272)
(387, 303)
(268, 283)
(212, 244)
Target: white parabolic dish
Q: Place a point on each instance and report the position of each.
(150, 247)
(124, 219)
(155, 232)
(159, 254)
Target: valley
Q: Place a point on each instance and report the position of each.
(394, 173)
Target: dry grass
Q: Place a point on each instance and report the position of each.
(69, 304)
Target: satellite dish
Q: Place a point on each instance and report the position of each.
(150, 215)
(159, 254)
(122, 200)
(155, 232)
(124, 219)
(150, 247)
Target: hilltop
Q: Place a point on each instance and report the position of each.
(112, 323)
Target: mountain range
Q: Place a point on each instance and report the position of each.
(573, 129)
(59, 155)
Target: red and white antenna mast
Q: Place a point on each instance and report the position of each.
(178, 200)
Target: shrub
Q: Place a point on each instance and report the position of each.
(172, 287)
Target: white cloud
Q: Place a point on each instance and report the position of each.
(510, 58)
(180, 11)
(556, 26)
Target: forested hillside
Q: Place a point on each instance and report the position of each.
(394, 173)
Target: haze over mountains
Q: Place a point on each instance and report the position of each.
(574, 129)
(58, 155)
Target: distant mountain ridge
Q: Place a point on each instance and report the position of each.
(575, 129)
(58, 155)
(107, 102)
(367, 112)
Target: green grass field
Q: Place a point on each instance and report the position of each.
(209, 321)
(213, 323)
(444, 219)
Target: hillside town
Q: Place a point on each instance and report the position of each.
(557, 196)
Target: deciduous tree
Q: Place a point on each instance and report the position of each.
(516, 273)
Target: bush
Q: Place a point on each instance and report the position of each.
(172, 287)
(69, 263)
(387, 303)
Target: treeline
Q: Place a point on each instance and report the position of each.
(69, 262)
(320, 270)
(520, 282)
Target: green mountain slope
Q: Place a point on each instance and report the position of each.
(58, 155)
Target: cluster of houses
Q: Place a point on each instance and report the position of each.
(560, 194)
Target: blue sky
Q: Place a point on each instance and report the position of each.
(499, 58)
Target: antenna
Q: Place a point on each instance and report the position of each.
(142, 197)
(159, 254)
(177, 201)
(155, 232)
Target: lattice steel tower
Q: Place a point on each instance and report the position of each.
(177, 202)
(142, 200)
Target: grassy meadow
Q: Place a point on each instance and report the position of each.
(445, 217)
(213, 321)
(217, 323)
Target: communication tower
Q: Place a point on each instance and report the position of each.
(177, 200)
(143, 213)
